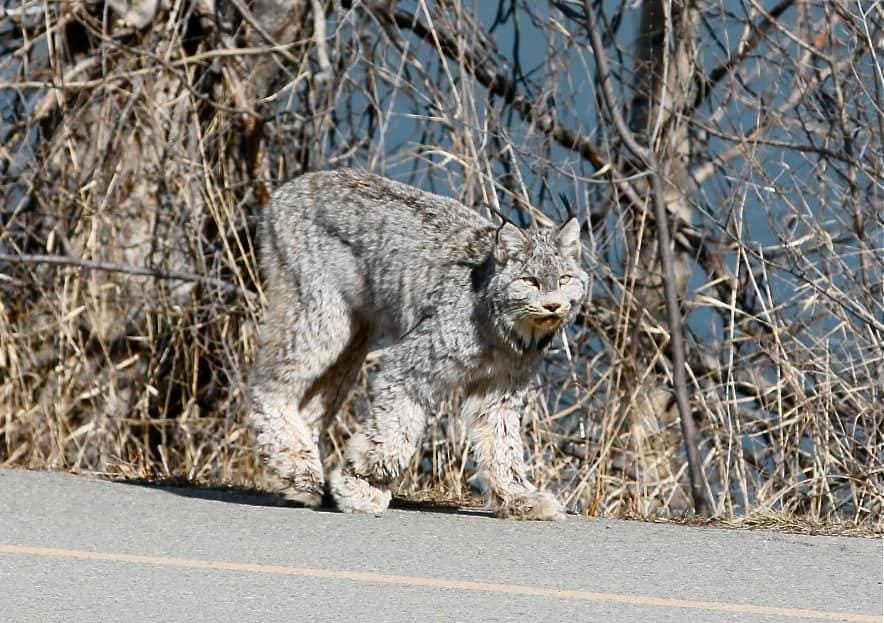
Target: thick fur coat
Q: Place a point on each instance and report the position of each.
(350, 258)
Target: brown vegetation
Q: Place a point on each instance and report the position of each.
(140, 142)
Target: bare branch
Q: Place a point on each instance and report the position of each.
(676, 338)
(113, 267)
(755, 34)
(494, 81)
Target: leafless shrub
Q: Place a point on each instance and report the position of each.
(140, 142)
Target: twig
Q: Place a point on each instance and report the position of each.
(496, 82)
(250, 19)
(756, 33)
(113, 267)
(325, 72)
(501, 85)
(676, 341)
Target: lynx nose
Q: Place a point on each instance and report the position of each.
(552, 307)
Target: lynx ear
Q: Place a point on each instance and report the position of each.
(568, 239)
(510, 241)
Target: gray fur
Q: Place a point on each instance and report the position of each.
(349, 258)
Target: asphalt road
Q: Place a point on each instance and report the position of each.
(78, 549)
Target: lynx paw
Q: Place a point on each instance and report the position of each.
(306, 491)
(538, 505)
(356, 495)
(309, 499)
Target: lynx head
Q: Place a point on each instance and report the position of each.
(537, 284)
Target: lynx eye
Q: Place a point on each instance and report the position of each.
(564, 279)
(531, 281)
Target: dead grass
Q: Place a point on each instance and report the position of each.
(140, 159)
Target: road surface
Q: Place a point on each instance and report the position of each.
(79, 549)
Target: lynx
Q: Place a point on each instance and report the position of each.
(468, 308)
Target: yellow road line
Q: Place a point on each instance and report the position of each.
(404, 580)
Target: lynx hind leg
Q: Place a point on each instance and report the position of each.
(288, 449)
(324, 397)
(377, 454)
(299, 346)
(495, 432)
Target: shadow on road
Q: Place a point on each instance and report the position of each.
(231, 495)
(257, 497)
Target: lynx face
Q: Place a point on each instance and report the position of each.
(538, 284)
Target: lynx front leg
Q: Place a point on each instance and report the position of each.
(376, 455)
(493, 422)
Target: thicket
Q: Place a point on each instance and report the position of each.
(140, 141)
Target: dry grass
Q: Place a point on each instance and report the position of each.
(143, 171)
